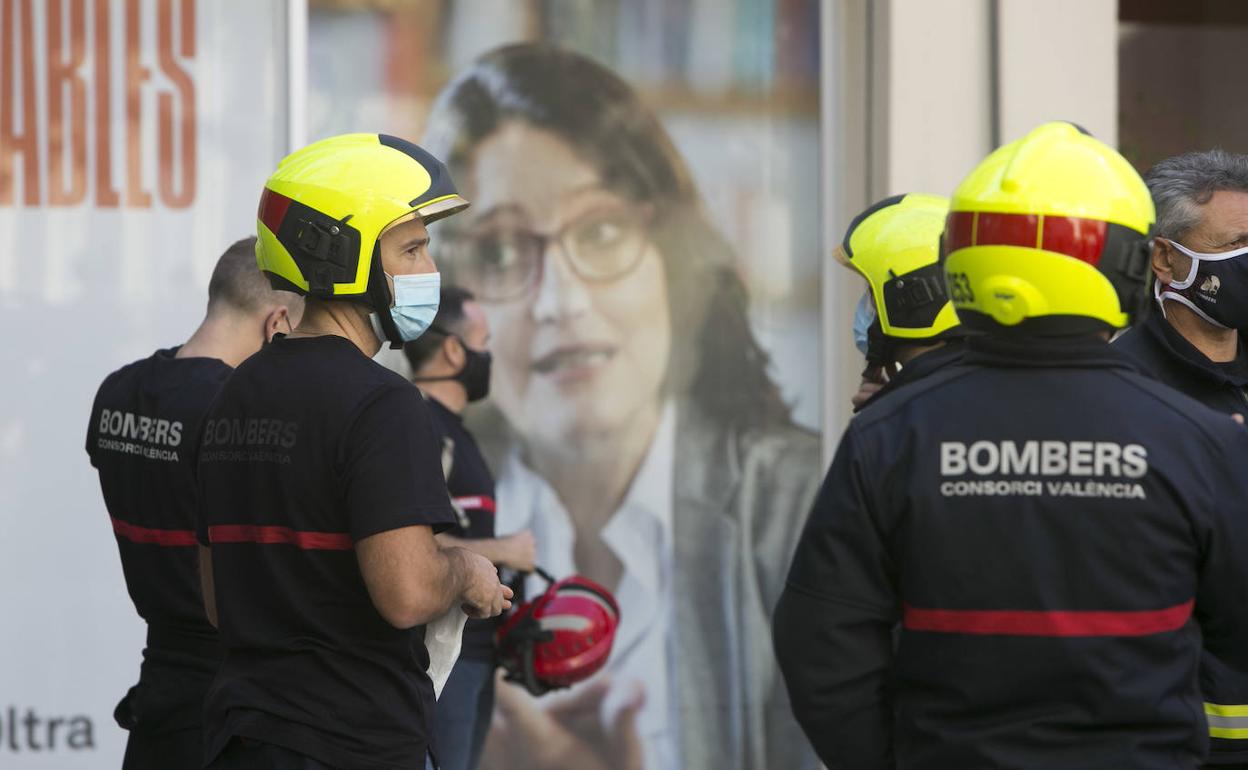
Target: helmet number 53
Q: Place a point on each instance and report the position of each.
(959, 287)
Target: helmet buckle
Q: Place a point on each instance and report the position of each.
(917, 294)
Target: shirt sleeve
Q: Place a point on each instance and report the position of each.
(392, 466)
(833, 624)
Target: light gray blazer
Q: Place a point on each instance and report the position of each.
(741, 499)
(741, 502)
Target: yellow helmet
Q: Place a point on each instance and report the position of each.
(322, 213)
(895, 245)
(1049, 235)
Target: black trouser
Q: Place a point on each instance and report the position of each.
(164, 751)
(246, 754)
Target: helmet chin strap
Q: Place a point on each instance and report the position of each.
(380, 299)
(881, 349)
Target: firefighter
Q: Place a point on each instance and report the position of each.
(142, 426)
(904, 318)
(320, 480)
(1043, 521)
(1192, 342)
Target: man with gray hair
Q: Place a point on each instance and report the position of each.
(1193, 344)
(1200, 260)
(143, 424)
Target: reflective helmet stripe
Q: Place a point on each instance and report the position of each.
(1083, 239)
(273, 208)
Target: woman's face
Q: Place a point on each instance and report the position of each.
(574, 289)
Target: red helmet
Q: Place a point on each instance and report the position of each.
(560, 638)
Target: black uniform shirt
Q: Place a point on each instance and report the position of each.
(309, 448)
(472, 487)
(1160, 351)
(141, 439)
(1044, 522)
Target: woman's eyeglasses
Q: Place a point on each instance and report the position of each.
(501, 262)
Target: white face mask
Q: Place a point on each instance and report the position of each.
(416, 299)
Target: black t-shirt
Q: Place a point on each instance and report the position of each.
(309, 448)
(140, 439)
(472, 488)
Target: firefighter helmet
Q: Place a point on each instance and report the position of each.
(325, 208)
(895, 246)
(1049, 235)
(560, 638)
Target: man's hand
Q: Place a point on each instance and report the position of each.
(873, 379)
(866, 389)
(519, 551)
(483, 596)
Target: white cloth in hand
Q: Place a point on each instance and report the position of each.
(443, 639)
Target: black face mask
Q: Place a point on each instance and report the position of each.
(474, 375)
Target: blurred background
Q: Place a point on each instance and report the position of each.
(136, 134)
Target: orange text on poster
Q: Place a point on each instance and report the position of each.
(46, 154)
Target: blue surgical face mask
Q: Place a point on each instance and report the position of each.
(415, 304)
(864, 316)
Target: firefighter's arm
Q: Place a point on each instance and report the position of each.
(833, 625)
(1221, 597)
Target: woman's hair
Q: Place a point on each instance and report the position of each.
(715, 357)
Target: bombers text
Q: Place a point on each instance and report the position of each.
(1085, 468)
(138, 427)
(1043, 458)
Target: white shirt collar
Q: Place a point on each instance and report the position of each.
(522, 493)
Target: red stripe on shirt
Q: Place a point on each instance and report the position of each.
(149, 536)
(309, 541)
(476, 503)
(1048, 623)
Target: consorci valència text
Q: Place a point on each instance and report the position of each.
(1104, 469)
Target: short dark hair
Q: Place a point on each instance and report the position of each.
(237, 283)
(449, 320)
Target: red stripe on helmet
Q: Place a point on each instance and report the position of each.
(1083, 239)
(1007, 230)
(272, 209)
(959, 230)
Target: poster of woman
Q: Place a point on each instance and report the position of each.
(655, 344)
